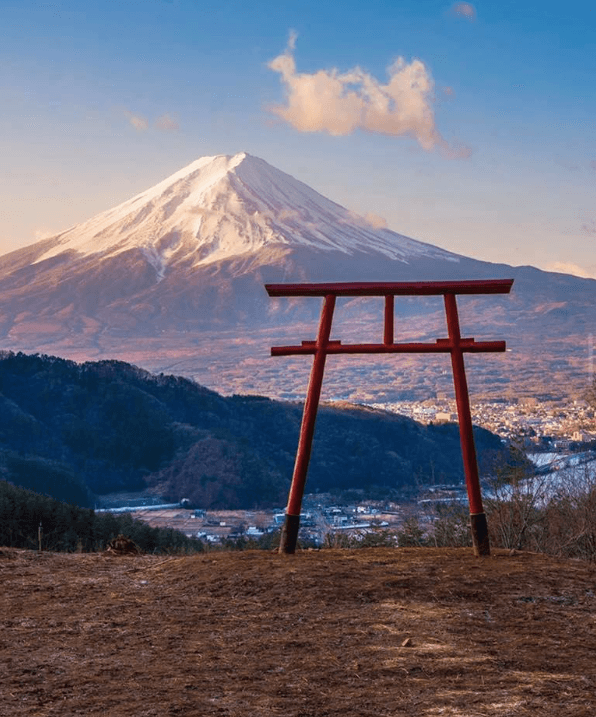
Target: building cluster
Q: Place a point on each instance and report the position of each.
(319, 519)
(528, 420)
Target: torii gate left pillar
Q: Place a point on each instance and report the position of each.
(454, 345)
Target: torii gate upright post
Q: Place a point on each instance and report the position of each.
(289, 534)
(455, 345)
(478, 524)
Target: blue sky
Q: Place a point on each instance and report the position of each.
(482, 140)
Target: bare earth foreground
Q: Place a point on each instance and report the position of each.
(366, 632)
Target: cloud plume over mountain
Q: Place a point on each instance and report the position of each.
(340, 103)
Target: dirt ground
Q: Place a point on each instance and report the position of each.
(353, 633)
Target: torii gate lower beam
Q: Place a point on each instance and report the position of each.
(455, 345)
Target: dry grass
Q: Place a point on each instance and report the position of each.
(368, 632)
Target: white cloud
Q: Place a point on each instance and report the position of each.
(464, 9)
(339, 104)
(292, 40)
(375, 220)
(567, 267)
(139, 123)
(41, 234)
(566, 163)
(167, 123)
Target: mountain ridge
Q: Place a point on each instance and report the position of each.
(68, 429)
(172, 279)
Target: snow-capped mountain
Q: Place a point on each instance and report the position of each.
(224, 207)
(195, 250)
(173, 278)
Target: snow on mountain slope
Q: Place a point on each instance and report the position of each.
(172, 280)
(227, 206)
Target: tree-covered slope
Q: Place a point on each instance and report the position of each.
(72, 528)
(68, 429)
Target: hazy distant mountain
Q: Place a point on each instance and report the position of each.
(177, 273)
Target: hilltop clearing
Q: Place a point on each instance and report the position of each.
(372, 633)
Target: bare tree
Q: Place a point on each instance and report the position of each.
(571, 514)
(514, 504)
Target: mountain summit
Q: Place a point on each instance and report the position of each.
(222, 207)
(172, 279)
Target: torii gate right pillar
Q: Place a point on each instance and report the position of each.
(478, 523)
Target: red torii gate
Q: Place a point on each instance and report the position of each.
(454, 345)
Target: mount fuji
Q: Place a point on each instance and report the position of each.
(172, 280)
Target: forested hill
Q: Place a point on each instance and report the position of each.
(73, 430)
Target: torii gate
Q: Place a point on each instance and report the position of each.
(454, 345)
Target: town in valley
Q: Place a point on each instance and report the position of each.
(550, 433)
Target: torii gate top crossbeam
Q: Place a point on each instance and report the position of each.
(388, 290)
(393, 288)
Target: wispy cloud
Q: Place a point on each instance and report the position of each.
(567, 267)
(593, 164)
(164, 123)
(339, 104)
(370, 220)
(464, 9)
(41, 234)
(589, 227)
(375, 220)
(167, 123)
(567, 163)
(138, 122)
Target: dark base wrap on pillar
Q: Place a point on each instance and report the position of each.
(289, 534)
(479, 534)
